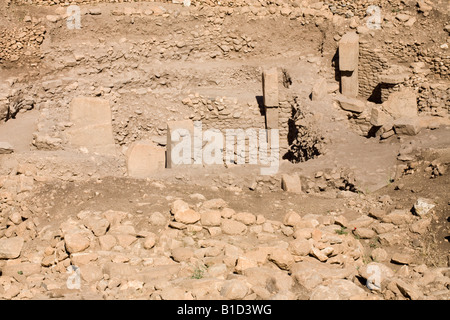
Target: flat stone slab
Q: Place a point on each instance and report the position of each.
(11, 248)
(401, 104)
(6, 148)
(92, 125)
(351, 104)
(144, 158)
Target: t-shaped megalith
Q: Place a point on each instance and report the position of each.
(270, 88)
(348, 64)
(91, 125)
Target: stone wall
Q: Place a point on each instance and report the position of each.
(371, 64)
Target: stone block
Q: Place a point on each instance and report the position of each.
(6, 148)
(270, 87)
(291, 183)
(144, 158)
(320, 90)
(350, 83)
(349, 52)
(92, 127)
(407, 126)
(379, 117)
(402, 103)
(351, 104)
(272, 118)
(10, 248)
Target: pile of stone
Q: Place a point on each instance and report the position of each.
(209, 251)
(20, 43)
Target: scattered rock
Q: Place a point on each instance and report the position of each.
(6, 148)
(232, 227)
(282, 258)
(423, 206)
(11, 248)
(402, 258)
(187, 217)
(234, 290)
(182, 254)
(340, 289)
(76, 242)
(409, 291)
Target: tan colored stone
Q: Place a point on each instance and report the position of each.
(291, 183)
(245, 217)
(244, 263)
(187, 217)
(320, 90)
(91, 273)
(402, 258)
(144, 159)
(270, 88)
(76, 242)
(282, 258)
(349, 52)
(92, 126)
(398, 217)
(315, 252)
(125, 240)
(211, 218)
(402, 104)
(107, 242)
(24, 268)
(234, 290)
(114, 217)
(340, 289)
(11, 248)
(98, 226)
(232, 227)
(379, 255)
(292, 219)
(82, 258)
(300, 247)
(182, 254)
(150, 241)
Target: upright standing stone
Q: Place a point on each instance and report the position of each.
(145, 158)
(272, 118)
(92, 127)
(270, 97)
(348, 64)
(320, 90)
(291, 183)
(270, 88)
(180, 143)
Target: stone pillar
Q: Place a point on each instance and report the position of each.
(92, 125)
(145, 158)
(272, 118)
(270, 97)
(348, 64)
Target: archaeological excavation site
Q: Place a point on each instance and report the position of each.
(224, 150)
